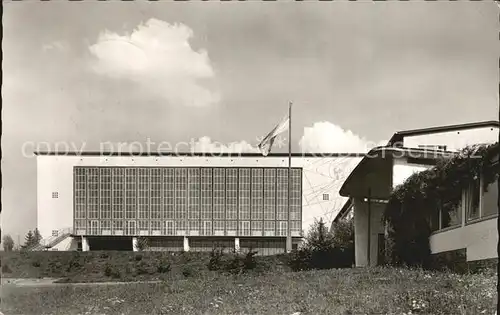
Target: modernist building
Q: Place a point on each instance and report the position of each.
(370, 184)
(189, 201)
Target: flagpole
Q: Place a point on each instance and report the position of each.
(288, 234)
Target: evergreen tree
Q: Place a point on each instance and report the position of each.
(29, 240)
(37, 236)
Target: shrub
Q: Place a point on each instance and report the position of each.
(36, 263)
(104, 255)
(187, 271)
(216, 262)
(325, 249)
(138, 257)
(164, 266)
(110, 271)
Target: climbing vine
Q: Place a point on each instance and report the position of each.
(412, 204)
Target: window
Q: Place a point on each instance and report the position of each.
(194, 193)
(55, 233)
(269, 194)
(432, 147)
(55, 195)
(257, 194)
(282, 194)
(244, 194)
(326, 197)
(489, 200)
(231, 194)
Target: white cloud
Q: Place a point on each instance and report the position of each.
(158, 57)
(56, 45)
(205, 144)
(326, 137)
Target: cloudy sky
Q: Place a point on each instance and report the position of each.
(92, 72)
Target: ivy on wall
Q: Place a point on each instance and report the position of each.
(425, 193)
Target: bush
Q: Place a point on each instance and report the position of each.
(111, 272)
(36, 263)
(187, 271)
(325, 249)
(138, 257)
(164, 266)
(216, 262)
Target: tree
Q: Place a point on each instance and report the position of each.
(343, 233)
(37, 236)
(318, 237)
(29, 240)
(8, 243)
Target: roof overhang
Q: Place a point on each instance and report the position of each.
(372, 161)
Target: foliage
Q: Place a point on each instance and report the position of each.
(142, 243)
(163, 266)
(37, 237)
(236, 262)
(8, 243)
(412, 204)
(324, 249)
(343, 233)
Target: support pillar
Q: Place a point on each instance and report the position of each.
(134, 244)
(186, 244)
(237, 244)
(85, 244)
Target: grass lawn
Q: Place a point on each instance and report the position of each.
(346, 291)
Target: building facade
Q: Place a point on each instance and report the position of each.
(185, 201)
(370, 184)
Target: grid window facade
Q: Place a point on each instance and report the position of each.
(231, 194)
(143, 193)
(296, 195)
(282, 194)
(244, 194)
(105, 193)
(155, 194)
(194, 193)
(180, 201)
(169, 193)
(181, 191)
(257, 194)
(80, 194)
(269, 194)
(130, 193)
(219, 194)
(117, 193)
(206, 193)
(93, 193)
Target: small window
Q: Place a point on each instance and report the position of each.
(55, 233)
(326, 197)
(55, 195)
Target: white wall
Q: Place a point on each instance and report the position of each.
(454, 140)
(320, 176)
(401, 170)
(69, 243)
(480, 240)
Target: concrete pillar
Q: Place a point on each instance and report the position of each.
(85, 244)
(134, 244)
(186, 244)
(237, 244)
(360, 232)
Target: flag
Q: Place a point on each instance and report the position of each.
(266, 143)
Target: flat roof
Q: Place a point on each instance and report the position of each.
(398, 136)
(197, 154)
